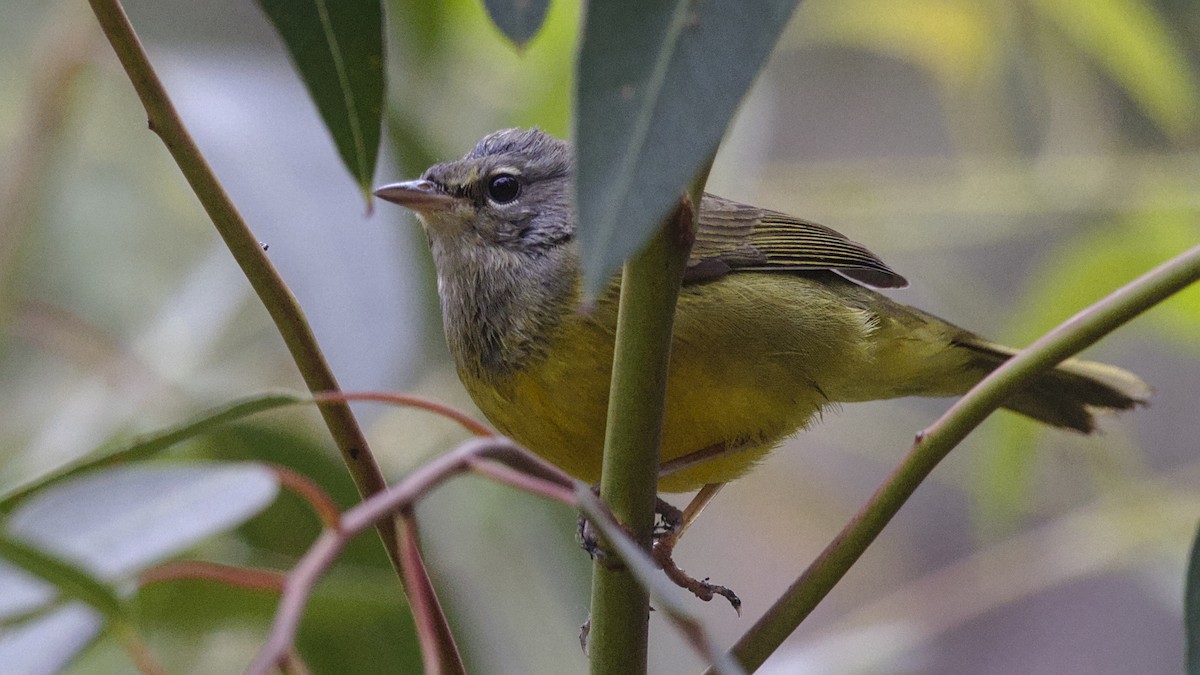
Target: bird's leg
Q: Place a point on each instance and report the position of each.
(667, 533)
(670, 524)
(692, 511)
(695, 458)
(589, 539)
(675, 523)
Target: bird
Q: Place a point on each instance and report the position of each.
(778, 320)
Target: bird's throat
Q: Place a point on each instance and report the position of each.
(500, 310)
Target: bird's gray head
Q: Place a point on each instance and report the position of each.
(500, 228)
(511, 191)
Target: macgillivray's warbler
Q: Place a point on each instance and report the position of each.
(776, 321)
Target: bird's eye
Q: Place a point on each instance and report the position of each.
(503, 188)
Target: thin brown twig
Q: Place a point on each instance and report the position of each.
(668, 598)
(396, 499)
(503, 473)
(293, 664)
(276, 297)
(422, 596)
(412, 401)
(242, 577)
(133, 644)
(308, 490)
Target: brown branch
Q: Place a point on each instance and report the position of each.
(308, 490)
(399, 499)
(241, 577)
(410, 401)
(278, 300)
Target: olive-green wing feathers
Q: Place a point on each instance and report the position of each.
(735, 237)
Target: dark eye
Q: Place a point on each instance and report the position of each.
(503, 188)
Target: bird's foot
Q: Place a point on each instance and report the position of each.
(666, 536)
(668, 528)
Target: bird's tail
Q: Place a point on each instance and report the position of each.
(1069, 395)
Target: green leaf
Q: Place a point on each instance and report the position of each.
(70, 580)
(119, 522)
(1136, 46)
(657, 84)
(1080, 271)
(955, 41)
(46, 645)
(518, 19)
(1191, 608)
(107, 527)
(147, 446)
(338, 48)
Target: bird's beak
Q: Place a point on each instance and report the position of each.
(422, 196)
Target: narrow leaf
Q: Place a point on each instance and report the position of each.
(657, 84)
(70, 580)
(147, 446)
(518, 19)
(338, 48)
(1191, 609)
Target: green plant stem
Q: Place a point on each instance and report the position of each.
(934, 443)
(274, 294)
(670, 600)
(280, 304)
(650, 283)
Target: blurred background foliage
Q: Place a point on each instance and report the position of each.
(1015, 160)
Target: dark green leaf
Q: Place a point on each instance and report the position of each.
(518, 19)
(338, 48)
(1191, 608)
(657, 84)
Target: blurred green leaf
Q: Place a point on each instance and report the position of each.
(338, 49)
(47, 644)
(656, 85)
(107, 527)
(359, 624)
(954, 41)
(70, 580)
(116, 523)
(1082, 270)
(518, 19)
(356, 621)
(1099, 260)
(1191, 608)
(1006, 469)
(1133, 43)
(288, 526)
(146, 446)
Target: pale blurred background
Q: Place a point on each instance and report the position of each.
(1015, 161)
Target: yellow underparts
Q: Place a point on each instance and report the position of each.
(755, 357)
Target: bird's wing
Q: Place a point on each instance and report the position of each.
(734, 237)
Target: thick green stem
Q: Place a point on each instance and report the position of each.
(650, 283)
(276, 297)
(933, 444)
